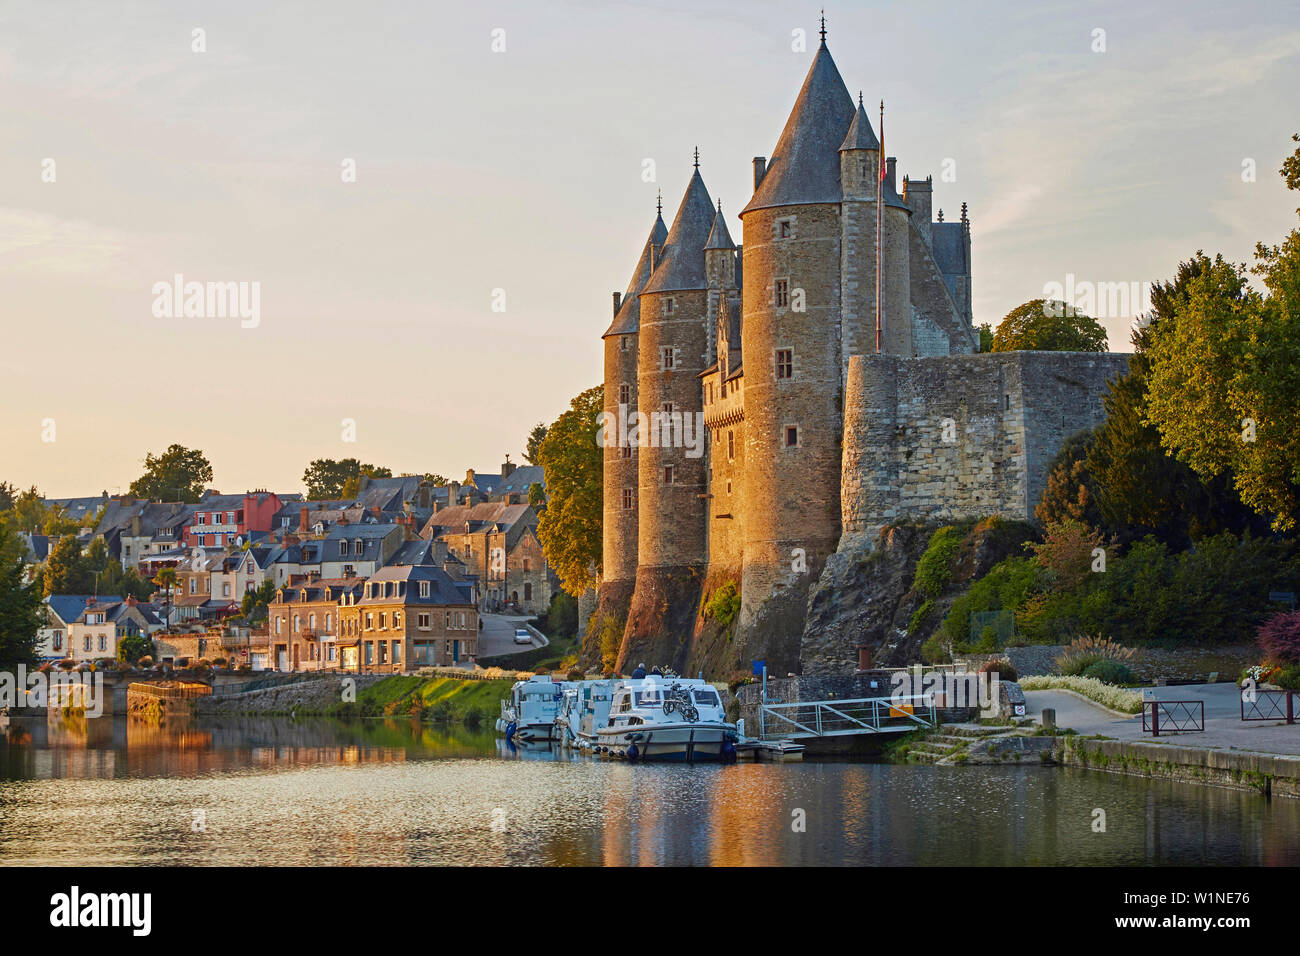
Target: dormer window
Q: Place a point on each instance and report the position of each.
(424, 589)
(343, 549)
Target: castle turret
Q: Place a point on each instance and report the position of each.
(793, 375)
(619, 553)
(672, 350)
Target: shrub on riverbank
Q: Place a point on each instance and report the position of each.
(1116, 698)
(441, 699)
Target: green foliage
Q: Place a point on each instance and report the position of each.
(133, 647)
(1006, 587)
(570, 528)
(919, 616)
(331, 479)
(723, 604)
(254, 603)
(934, 569)
(936, 649)
(178, 474)
(1048, 326)
(1224, 389)
(561, 618)
(532, 451)
(67, 569)
(1109, 672)
(986, 337)
(20, 609)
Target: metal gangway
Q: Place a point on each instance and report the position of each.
(841, 718)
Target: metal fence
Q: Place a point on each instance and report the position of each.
(1172, 716)
(839, 718)
(1269, 705)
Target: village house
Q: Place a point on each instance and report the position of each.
(59, 611)
(498, 543)
(408, 616)
(102, 624)
(221, 520)
(302, 623)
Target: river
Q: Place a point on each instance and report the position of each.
(258, 791)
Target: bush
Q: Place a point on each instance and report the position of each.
(1279, 637)
(1116, 698)
(935, 650)
(1083, 652)
(723, 604)
(934, 569)
(576, 674)
(1003, 668)
(1109, 672)
(919, 616)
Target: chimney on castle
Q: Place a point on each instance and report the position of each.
(618, 301)
(891, 164)
(760, 170)
(919, 196)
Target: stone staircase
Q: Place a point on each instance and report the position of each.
(949, 742)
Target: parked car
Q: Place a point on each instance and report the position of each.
(522, 636)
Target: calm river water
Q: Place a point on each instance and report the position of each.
(278, 791)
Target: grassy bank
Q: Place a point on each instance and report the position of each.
(441, 699)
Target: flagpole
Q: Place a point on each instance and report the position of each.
(880, 230)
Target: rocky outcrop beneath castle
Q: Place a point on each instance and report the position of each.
(867, 595)
(604, 634)
(661, 619)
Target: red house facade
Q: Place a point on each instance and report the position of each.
(221, 519)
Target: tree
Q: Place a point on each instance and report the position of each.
(67, 571)
(535, 439)
(253, 605)
(57, 522)
(178, 474)
(8, 495)
(133, 647)
(986, 337)
(571, 460)
(1071, 491)
(329, 479)
(165, 580)
(20, 609)
(1043, 325)
(29, 511)
(437, 481)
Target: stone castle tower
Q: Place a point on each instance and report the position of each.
(755, 343)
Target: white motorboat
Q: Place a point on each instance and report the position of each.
(666, 718)
(529, 717)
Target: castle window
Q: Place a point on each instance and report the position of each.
(670, 305)
(629, 499)
(669, 474)
(782, 292)
(1007, 399)
(625, 451)
(623, 340)
(784, 363)
(791, 436)
(728, 486)
(625, 394)
(731, 446)
(668, 356)
(784, 229)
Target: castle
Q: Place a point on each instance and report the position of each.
(820, 424)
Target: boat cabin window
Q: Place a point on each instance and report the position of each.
(647, 696)
(624, 703)
(708, 697)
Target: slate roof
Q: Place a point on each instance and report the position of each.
(521, 479)
(78, 508)
(719, 237)
(860, 134)
(464, 519)
(628, 319)
(681, 265)
(388, 494)
(442, 589)
(68, 607)
(805, 164)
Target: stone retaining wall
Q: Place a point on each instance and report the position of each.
(1269, 774)
(319, 694)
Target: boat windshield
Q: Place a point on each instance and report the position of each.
(646, 697)
(709, 697)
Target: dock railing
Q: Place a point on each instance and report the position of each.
(840, 718)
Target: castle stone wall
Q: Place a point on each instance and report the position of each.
(620, 527)
(962, 436)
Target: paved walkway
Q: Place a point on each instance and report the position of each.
(1224, 728)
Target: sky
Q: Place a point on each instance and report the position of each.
(427, 314)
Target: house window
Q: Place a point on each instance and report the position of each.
(528, 564)
(629, 499)
(311, 622)
(731, 446)
(343, 549)
(383, 620)
(370, 621)
(784, 363)
(397, 652)
(327, 623)
(102, 643)
(58, 641)
(625, 394)
(193, 586)
(85, 643)
(782, 292)
(370, 652)
(791, 436)
(397, 620)
(296, 623)
(528, 591)
(669, 474)
(279, 625)
(423, 622)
